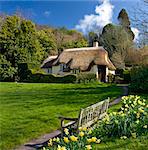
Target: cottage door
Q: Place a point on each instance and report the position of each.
(102, 73)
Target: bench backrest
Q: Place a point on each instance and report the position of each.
(91, 114)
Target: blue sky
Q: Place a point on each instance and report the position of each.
(64, 13)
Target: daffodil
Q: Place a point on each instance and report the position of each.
(140, 110)
(93, 139)
(57, 139)
(80, 128)
(61, 147)
(66, 140)
(50, 143)
(73, 138)
(66, 131)
(81, 134)
(145, 126)
(89, 140)
(98, 141)
(133, 135)
(88, 147)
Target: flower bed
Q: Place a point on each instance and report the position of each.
(130, 121)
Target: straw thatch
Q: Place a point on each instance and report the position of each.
(84, 58)
(48, 62)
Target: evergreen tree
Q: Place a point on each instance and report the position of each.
(125, 23)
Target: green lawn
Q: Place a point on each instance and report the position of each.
(30, 110)
(139, 143)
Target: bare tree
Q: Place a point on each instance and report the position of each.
(140, 20)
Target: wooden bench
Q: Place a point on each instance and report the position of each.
(88, 116)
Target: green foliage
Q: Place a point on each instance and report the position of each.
(49, 78)
(125, 23)
(85, 77)
(116, 41)
(131, 120)
(23, 71)
(6, 70)
(18, 41)
(111, 78)
(127, 76)
(139, 79)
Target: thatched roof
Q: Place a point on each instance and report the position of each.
(48, 61)
(82, 58)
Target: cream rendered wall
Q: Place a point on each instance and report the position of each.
(94, 69)
(55, 69)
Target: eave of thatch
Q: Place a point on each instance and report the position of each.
(48, 62)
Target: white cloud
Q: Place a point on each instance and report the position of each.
(136, 32)
(47, 13)
(94, 22)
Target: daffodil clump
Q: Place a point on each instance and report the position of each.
(130, 121)
(82, 140)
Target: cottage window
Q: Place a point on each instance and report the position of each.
(49, 70)
(76, 71)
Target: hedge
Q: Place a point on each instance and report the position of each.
(71, 78)
(50, 78)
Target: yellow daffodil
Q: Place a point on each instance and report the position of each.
(54, 139)
(61, 147)
(123, 137)
(138, 115)
(57, 139)
(140, 110)
(133, 135)
(84, 128)
(81, 134)
(88, 147)
(89, 140)
(126, 106)
(137, 121)
(139, 102)
(145, 126)
(93, 139)
(50, 143)
(66, 140)
(98, 141)
(73, 138)
(66, 131)
(80, 128)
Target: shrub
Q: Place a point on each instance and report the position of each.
(139, 79)
(131, 120)
(85, 77)
(50, 78)
(111, 78)
(127, 76)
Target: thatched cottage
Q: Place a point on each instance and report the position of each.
(75, 60)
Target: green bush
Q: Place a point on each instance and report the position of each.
(50, 78)
(131, 120)
(86, 77)
(127, 76)
(139, 79)
(111, 78)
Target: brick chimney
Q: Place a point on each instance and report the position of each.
(95, 44)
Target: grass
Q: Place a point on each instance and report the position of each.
(139, 143)
(30, 110)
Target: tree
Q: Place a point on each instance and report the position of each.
(140, 21)
(18, 41)
(125, 23)
(116, 41)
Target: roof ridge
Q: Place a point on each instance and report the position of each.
(84, 48)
